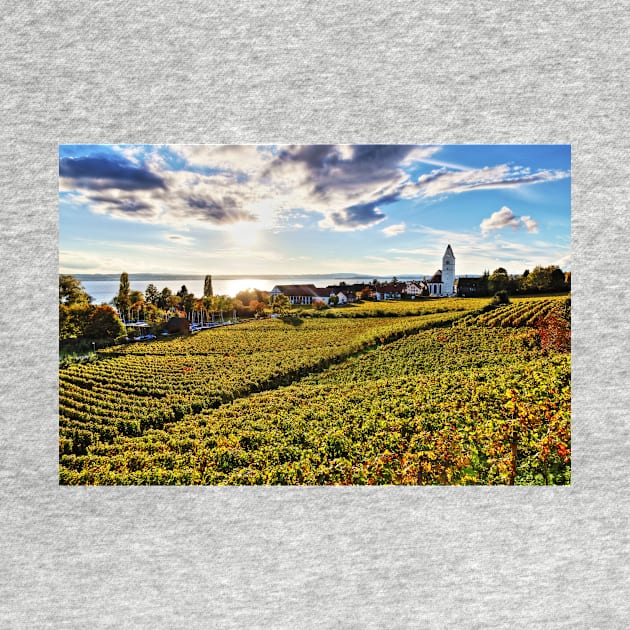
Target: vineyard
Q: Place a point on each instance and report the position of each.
(452, 397)
(524, 312)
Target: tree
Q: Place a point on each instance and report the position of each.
(188, 302)
(498, 280)
(280, 304)
(152, 295)
(257, 307)
(207, 286)
(104, 323)
(333, 300)
(541, 278)
(136, 296)
(73, 320)
(501, 297)
(484, 283)
(153, 315)
(173, 302)
(557, 279)
(365, 293)
(164, 298)
(183, 292)
(138, 306)
(123, 301)
(71, 291)
(246, 296)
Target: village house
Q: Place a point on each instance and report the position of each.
(469, 287)
(346, 294)
(416, 288)
(302, 293)
(389, 291)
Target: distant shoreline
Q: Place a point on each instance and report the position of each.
(109, 277)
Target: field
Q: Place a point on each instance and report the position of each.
(433, 392)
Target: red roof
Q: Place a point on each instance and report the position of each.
(390, 288)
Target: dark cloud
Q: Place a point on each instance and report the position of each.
(125, 205)
(315, 156)
(223, 211)
(101, 172)
(381, 156)
(356, 217)
(346, 183)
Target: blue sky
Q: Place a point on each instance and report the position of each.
(300, 209)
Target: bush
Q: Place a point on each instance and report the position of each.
(501, 297)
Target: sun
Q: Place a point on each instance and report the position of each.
(246, 235)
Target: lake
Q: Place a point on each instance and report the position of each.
(103, 291)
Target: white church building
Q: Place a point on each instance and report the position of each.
(442, 282)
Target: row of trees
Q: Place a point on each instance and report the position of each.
(549, 279)
(81, 321)
(154, 306)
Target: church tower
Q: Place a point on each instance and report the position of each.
(448, 272)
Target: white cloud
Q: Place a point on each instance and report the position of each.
(230, 157)
(504, 218)
(564, 262)
(443, 181)
(530, 224)
(394, 230)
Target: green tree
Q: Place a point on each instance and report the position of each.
(123, 301)
(188, 302)
(73, 320)
(280, 305)
(539, 279)
(498, 280)
(71, 291)
(174, 302)
(151, 295)
(484, 284)
(207, 286)
(501, 297)
(153, 315)
(164, 298)
(557, 279)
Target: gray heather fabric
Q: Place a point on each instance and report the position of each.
(237, 72)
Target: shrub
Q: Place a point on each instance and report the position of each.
(501, 297)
